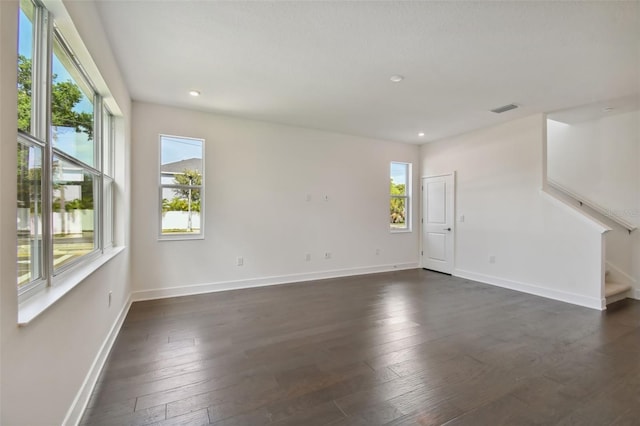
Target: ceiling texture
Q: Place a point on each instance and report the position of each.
(327, 64)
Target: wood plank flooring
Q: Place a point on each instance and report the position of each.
(404, 348)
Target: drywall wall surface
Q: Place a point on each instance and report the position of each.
(273, 195)
(636, 243)
(43, 365)
(537, 245)
(8, 194)
(598, 159)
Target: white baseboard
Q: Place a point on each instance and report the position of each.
(549, 293)
(187, 290)
(74, 415)
(636, 293)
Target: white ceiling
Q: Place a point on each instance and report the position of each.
(326, 64)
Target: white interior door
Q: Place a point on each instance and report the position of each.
(438, 220)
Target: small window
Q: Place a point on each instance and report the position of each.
(400, 194)
(181, 187)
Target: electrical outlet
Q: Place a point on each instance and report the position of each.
(308, 257)
(377, 252)
(327, 255)
(492, 259)
(240, 261)
(461, 218)
(326, 197)
(308, 197)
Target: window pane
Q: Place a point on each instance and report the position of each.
(71, 109)
(399, 191)
(180, 211)
(73, 220)
(25, 64)
(178, 155)
(29, 213)
(399, 172)
(398, 213)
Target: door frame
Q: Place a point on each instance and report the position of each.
(453, 225)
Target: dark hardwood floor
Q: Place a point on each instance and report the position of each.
(404, 348)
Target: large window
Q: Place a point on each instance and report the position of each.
(400, 197)
(64, 155)
(181, 187)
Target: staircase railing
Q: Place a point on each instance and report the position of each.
(608, 213)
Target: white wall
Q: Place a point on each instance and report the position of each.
(258, 177)
(8, 122)
(540, 245)
(599, 160)
(636, 244)
(43, 365)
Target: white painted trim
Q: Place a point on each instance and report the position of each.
(617, 270)
(549, 293)
(636, 293)
(601, 227)
(74, 415)
(266, 281)
(400, 231)
(440, 175)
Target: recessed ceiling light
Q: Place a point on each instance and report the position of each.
(396, 78)
(421, 134)
(194, 93)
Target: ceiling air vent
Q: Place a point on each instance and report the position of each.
(504, 108)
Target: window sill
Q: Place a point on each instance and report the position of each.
(400, 231)
(38, 303)
(181, 237)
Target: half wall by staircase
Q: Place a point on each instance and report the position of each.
(538, 244)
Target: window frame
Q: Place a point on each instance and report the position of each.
(35, 285)
(162, 186)
(407, 199)
(54, 280)
(108, 178)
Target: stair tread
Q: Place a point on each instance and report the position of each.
(613, 288)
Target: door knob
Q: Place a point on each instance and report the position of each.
(447, 229)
